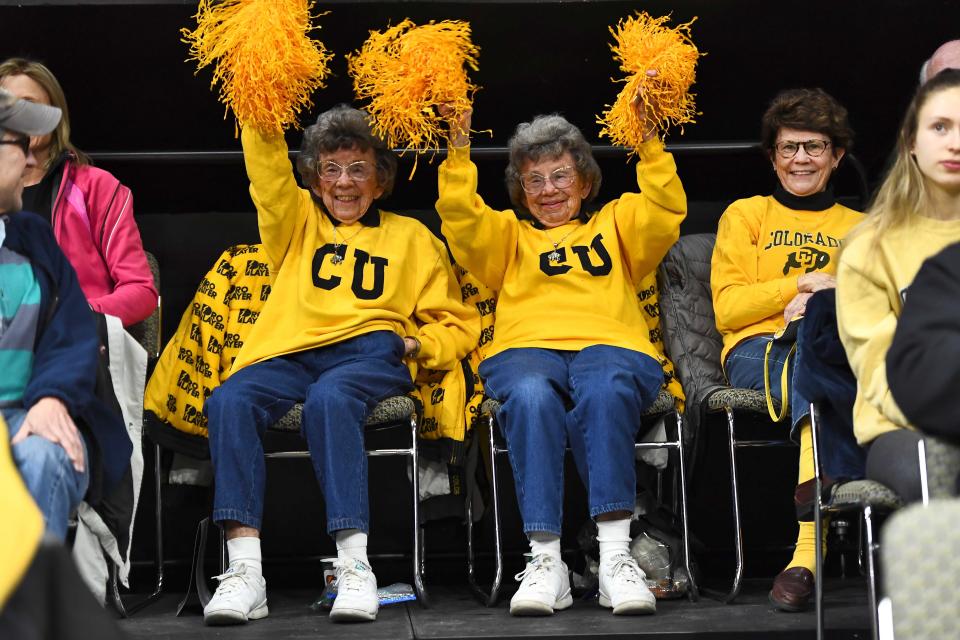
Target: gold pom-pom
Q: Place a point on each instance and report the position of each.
(264, 59)
(405, 71)
(644, 43)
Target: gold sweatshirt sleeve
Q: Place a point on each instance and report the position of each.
(739, 300)
(866, 323)
(449, 329)
(480, 237)
(649, 222)
(274, 191)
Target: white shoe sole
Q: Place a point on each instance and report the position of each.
(346, 614)
(637, 607)
(538, 607)
(233, 616)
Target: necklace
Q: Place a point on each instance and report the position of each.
(337, 255)
(554, 256)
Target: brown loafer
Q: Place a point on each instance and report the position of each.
(804, 494)
(792, 589)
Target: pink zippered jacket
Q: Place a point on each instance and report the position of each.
(93, 223)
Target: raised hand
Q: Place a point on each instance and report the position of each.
(644, 111)
(459, 135)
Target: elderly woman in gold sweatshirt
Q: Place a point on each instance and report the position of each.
(571, 348)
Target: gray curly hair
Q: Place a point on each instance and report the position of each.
(344, 127)
(549, 137)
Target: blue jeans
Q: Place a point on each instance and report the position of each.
(338, 386)
(840, 455)
(55, 485)
(744, 369)
(600, 392)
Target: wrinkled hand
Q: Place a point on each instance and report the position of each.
(49, 419)
(797, 306)
(459, 135)
(644, 112)
(816, 281)
(411, 347)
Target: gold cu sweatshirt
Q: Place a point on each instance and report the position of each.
(763, 247)
(589, 295)
(872, 283)
(395, 275)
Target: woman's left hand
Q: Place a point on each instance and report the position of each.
(644, 111)
(797, 306)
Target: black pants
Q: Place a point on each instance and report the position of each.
(53, 603)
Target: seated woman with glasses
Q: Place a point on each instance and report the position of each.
(360, 296)
(772, 254)
(571, 347)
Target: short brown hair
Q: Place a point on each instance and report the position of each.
(810, 110)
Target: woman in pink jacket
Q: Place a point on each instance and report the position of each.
(90, 211)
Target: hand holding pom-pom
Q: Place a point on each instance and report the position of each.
(458, 123)
(406, 71)
(661, 63)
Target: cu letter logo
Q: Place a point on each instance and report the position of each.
(806, 258)
(360, 260)
(559, 266)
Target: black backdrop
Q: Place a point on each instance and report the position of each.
(130, 90)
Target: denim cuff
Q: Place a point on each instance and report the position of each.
(336, 524)
(626, 505)
(542, 527)
(245, 518)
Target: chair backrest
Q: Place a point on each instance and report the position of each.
(920, 557)
(147, 332)
(690, 333)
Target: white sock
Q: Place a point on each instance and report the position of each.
(543, 542)
(246, 550)
(352, 543)
(614, 538)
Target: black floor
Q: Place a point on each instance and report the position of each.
(456, 614)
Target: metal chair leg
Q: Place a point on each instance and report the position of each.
(693, 594)
(817, 521)
(126, 611)
(871, 572)
(422, 597)
(488, 599)
(738, 533)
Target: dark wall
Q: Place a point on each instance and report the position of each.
(124, 70)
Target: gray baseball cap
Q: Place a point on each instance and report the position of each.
(26, 117)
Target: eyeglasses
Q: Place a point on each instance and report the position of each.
(789, 148)
(359, 171)
(561, 178)
(22, 141)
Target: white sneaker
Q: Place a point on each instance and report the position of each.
(356, 592)
(544, 587)
(240, 596)
(623, 586)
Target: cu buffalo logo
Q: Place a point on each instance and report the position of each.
(808, 259)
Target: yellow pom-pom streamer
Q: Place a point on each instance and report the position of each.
(643, 43)
(406, 70)
(264, 60)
